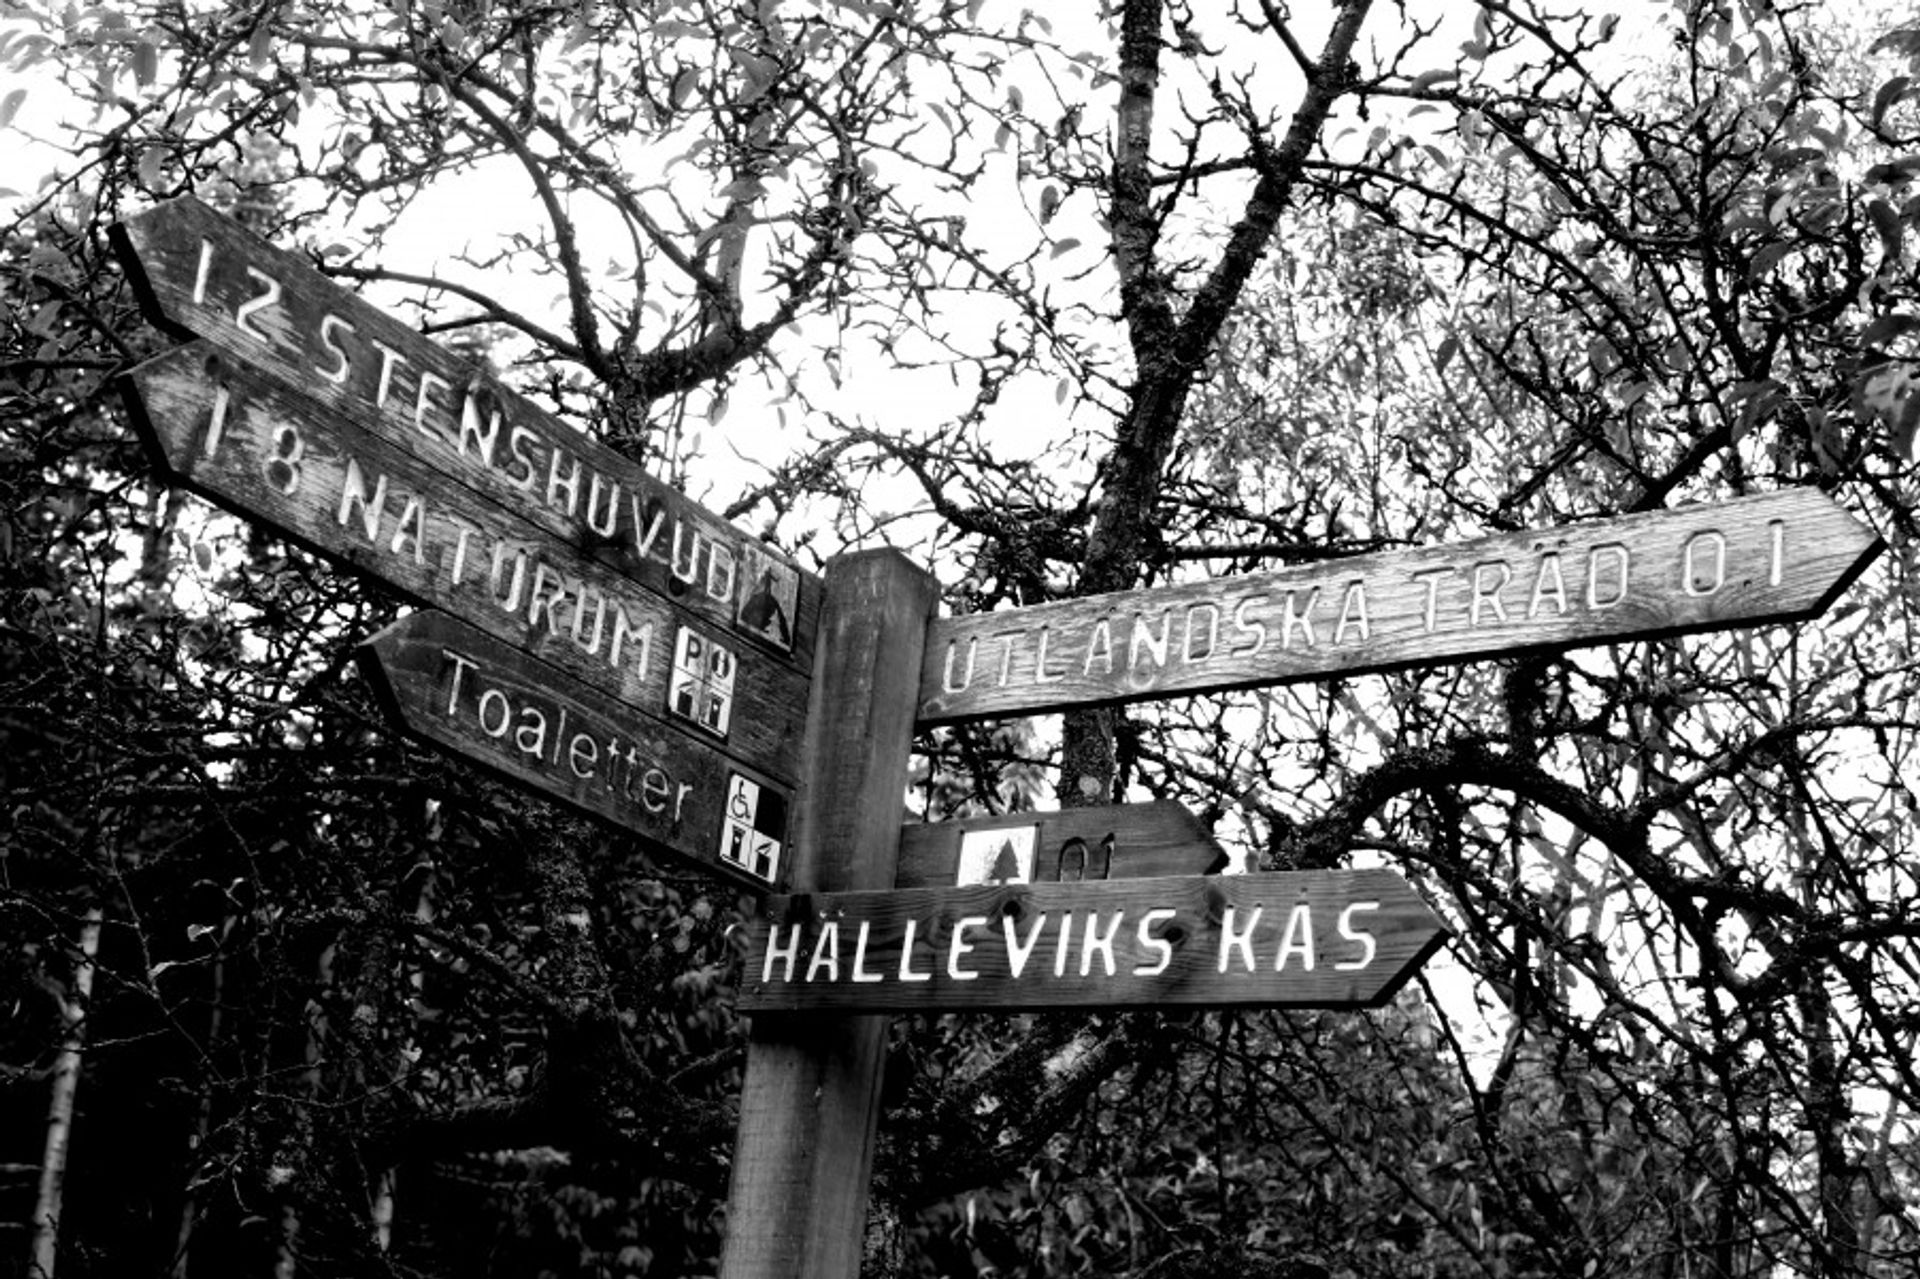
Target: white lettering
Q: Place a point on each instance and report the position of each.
(1158, 945)
(1349, 933)
(1548, 585)
(1353, 613)
(1618, 554)
(1041, 675)
(531, 736)
(775, 951)
(342, 365)
(1431, 578)
(1298, 617)
(253, 306)
(201, 271)
(1489, 595)
(1242, 941)
(906, 956)
(595, 488)
(1145, 641)
(860, 974)
(461, 665)
(1690, 577)
(1018, 952)
(389, 360)
(946, 679)
(1251, 626)
(353, 492)
(1091, 942)
(423, 400)
(497, 699)
(1212, 633)
(1298, 940)
(1099, 648)
(569, 484)
(958, 945)
(826, 952)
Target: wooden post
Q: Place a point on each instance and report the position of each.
(808, 1110)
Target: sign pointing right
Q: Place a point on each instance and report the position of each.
(1779, 557)
(1286, 939)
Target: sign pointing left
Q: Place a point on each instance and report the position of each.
(199, 274)
(474, 697)
(249, 443)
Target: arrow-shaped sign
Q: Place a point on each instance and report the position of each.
(198, 273)
(1300, 939)
(1108, 841)
(467, 693)
(268, 453)
(1780, 557)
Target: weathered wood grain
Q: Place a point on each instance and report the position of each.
(198, 273)
(1779, 557)
(273, 454)
(1298, 939)
(810, 1102)
(1112, 841)
(457, 688)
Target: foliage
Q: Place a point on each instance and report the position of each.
(1283, 283)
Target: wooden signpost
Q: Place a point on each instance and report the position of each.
(683, 639)
(1780, 557)
(1304, 939)
(608, 643)
(458, 688)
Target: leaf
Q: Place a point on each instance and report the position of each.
(1887, 223)
(1064, 246)
(758, 70)
(1894, 172)
(146, 63)
(260, 46)
(1884, 329)
(1890, 92)
(1767, 257)
(1905, 425)
(9, 105)
(683, 86)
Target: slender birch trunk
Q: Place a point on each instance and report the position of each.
(202, 1123)
(382, 1208)
(66, 1081)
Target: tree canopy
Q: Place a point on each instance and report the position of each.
(1056, 303)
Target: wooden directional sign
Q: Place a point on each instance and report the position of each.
(1112, 841)
(200, 274)
(1307, 939)
(477, 698)
(1780, 557)
(248, 442)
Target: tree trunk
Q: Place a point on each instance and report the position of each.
(66, 1081)
(202, 1123)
